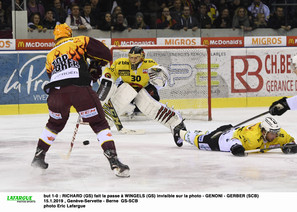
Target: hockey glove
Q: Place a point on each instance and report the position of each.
(237, 150)
(289, 148)
(95, 70)
(158, 76)
(279, 107)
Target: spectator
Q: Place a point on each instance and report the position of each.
(203, 18)
(75, 21)
(166, 21)
(67, 4)
(212, 10)
(34, 7)
(139, 23)
(90, 18)
(59, 12)
(35, 23)
(186, 21)
(49, 22)
(190, 4)
(241, 19)
(224, 20)
(106, 24)
(278, 20)
(258, 7)
(117, 10)
(176, 10)
(120, 25)
(260, 21)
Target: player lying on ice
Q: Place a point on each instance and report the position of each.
(262, 135)
(141, 80)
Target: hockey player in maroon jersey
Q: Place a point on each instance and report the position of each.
(70, 85)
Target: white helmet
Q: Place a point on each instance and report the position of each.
(270, 125)
(294, 64)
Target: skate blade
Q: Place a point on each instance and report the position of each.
(123, 174)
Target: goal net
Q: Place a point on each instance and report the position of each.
(188, 89)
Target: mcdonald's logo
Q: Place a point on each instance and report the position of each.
(117, 43)
(21, 44)
(291, 41)
(206, 42)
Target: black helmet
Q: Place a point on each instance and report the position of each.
(137, 50)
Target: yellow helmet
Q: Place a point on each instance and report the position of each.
(62, 31)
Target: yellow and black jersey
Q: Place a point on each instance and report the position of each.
(66, 63)
(251, 137)
(136, 78)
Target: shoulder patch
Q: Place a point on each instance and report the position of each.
(124, 72)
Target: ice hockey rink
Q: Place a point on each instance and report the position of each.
(157, 164)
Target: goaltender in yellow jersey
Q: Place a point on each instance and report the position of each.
(137, 78)
(132, 70)
(141, 80)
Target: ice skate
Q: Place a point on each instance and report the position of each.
(177, 139)
(38, 160)
(120, 170)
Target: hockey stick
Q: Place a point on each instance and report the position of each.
(73, 137)
(269, 148)
(241, 123)
(111, 114)
(250, 119)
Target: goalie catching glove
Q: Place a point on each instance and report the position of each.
(158, 76)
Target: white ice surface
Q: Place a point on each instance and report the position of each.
(156, 163)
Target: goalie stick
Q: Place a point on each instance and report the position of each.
(111, 114)
(241, 123)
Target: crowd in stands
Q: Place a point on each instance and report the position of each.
(120, 15)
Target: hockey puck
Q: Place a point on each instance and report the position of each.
(86, 142)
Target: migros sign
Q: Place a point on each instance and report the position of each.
(265, 41)
(174, 41)
(7, 44)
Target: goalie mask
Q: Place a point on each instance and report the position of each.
(136, 56)
(62, 31)
(294, 64)
(270, 125)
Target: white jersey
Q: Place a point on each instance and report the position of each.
(226, 140)
(292, 102)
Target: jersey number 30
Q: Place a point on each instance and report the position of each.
(136, 78)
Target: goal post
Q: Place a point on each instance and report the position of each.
(189, 87)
